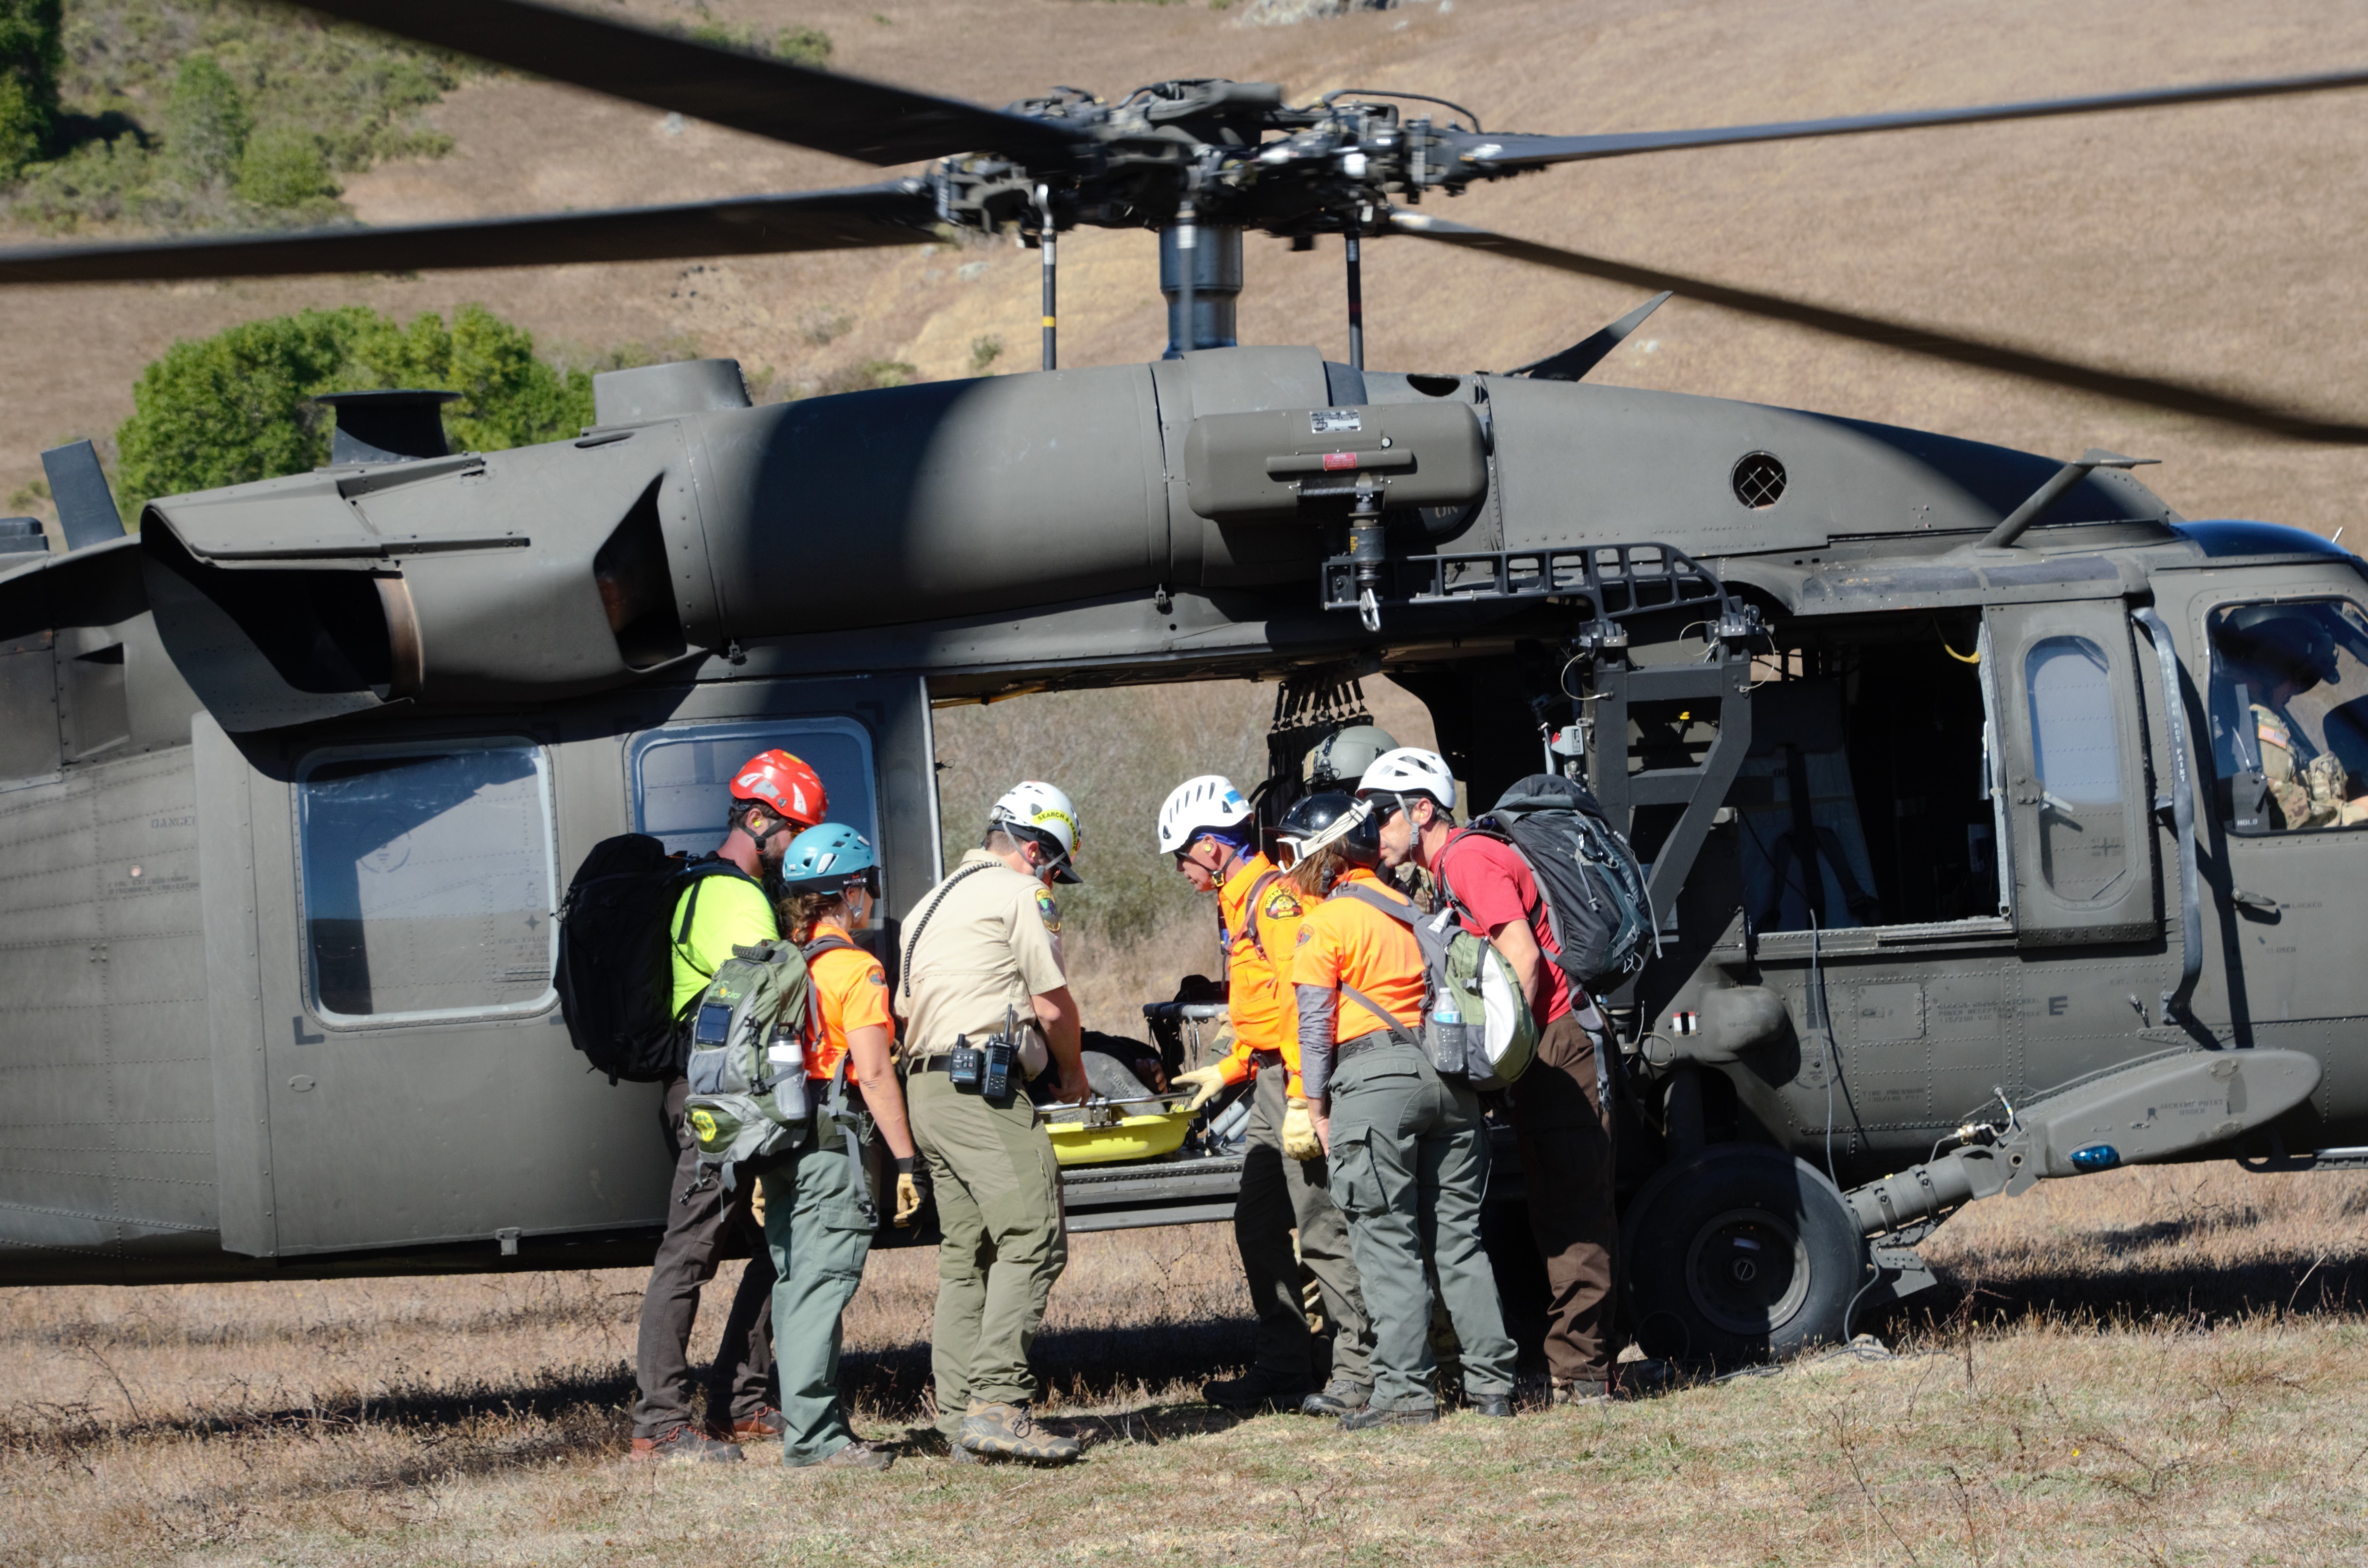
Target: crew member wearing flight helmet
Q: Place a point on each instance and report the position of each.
(1208, 828)
(2277, 652)
(1409, 1154)
(818, 1219)
(726, 903)
(1561, 1125)
(982, 961)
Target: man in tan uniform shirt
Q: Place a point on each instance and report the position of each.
(984, 947)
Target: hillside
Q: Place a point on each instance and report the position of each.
(2218, 244)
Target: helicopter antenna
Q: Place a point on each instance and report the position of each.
(1047, 243)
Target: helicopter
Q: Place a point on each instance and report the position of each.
(1950, 765)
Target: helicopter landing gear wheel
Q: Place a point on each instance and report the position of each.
(1739, 1254)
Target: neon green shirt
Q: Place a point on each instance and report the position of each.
(732, 912)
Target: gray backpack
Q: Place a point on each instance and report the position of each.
(1487, 1036)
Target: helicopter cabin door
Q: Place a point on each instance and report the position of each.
(2080, 842)
(417, 1086)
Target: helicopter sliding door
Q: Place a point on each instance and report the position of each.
(402, 1062)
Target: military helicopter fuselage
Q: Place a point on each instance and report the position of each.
(1957, 830)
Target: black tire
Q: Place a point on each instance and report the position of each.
(1737, 1254)
(1521, 1287)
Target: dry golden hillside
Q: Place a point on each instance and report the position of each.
(2219, 243)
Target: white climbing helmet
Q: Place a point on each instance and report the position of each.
(1041, 812)
(1197, 806)
(1410, 770)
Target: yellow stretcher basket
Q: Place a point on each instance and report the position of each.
(1086, 1140)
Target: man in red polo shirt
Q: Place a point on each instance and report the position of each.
(1560, 1122)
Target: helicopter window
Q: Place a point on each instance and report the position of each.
(2076, 756)
(2290, 715)
(682, 774)
(429, 882)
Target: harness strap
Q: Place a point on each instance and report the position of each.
(1249, 914)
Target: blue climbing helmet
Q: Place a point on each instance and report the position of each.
(831, 857)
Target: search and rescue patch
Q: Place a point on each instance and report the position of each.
(876, 975)
(1306, 935)
(1048, 910)
(1282, 904)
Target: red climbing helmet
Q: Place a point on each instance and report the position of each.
(784, 786)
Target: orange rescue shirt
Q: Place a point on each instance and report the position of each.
(850, 992)
(1345, 941)
(1260, 1000)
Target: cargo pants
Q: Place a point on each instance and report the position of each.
(998, 1195)
(1279, 1194)
(1410, 1169)
(1563, 1133)
(819, 1233)
(696, 1232)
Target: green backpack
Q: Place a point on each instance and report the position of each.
(749, 1035)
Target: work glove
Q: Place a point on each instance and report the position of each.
(756, 1199)
(908, 1194)
(1299, 1140)
(1204, 1081)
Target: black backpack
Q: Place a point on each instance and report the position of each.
(1594, 890)
(616, 958)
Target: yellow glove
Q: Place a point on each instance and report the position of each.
(1205, 1082)
(908, 1199)
(1299, 1140)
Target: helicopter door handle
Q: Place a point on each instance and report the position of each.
(2260, 901)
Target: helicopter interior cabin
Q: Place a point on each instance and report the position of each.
(1866, 796)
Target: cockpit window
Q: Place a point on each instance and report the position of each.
(2290, 715)
(429, 882)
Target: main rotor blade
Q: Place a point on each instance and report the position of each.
(898, 212)
(820, 110)
(1507, 153)
(1907, 336)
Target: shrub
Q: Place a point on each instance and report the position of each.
(206, 123)
(282, 166)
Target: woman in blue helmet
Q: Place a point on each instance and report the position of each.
(817, 1213)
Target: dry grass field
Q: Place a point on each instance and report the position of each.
(2146, 1368)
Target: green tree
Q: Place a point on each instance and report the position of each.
(238, 406)
(31, 52)
(206, 122)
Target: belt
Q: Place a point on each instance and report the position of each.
(1361, 1044)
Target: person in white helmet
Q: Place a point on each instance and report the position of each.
(982, 964)
(1206, 824)
(1561, 1125)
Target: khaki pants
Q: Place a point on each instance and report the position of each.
(1410, 1168)
(819, 1236)
(998, 1197)
(1279, 1195)
(1565, 1136)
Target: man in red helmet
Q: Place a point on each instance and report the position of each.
(726, 903)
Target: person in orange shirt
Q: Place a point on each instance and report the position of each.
(1409, 1154)
(1207, 826)
(818, 1212)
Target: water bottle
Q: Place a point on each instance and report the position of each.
(785, 1063)
(1447, 1033)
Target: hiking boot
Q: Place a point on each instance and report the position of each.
(1369, 1417)
(1497, 1407)
(858, 1455)
(960, 1455)
(1009, 1432)
(1581, 1391)
(1338, 1397)
(1261, 1390)
(682, 1443)
(761, 1426)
